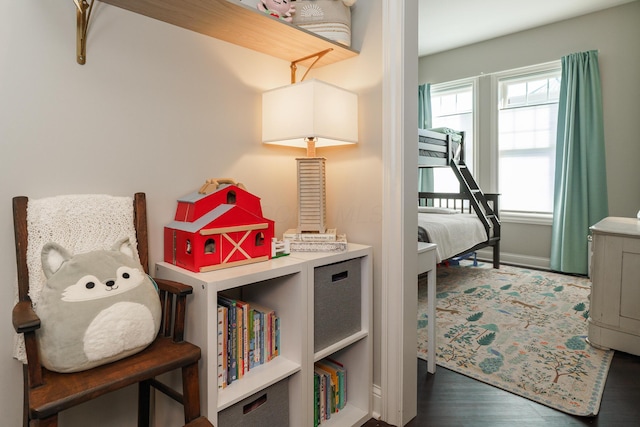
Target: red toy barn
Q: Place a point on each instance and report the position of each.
(219, 226)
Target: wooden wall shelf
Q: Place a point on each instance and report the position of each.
(237, 23)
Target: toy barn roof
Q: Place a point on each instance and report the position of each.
(210, 217)
(197, 196)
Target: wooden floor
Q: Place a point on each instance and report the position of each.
(448, 399)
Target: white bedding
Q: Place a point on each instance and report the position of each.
(452, 233)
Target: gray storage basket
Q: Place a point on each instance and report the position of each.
(268, 407)
(337, 302)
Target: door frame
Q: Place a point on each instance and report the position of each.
(399, 201)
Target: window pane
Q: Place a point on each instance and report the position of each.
(448, 104)
(465, 101)
(526, 142)
(537, 91)
(554, 89)
(526, 184)
(444, 181)
(516, 94)
(528, 127)
(454, 110)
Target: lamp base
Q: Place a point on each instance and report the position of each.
(311, 195)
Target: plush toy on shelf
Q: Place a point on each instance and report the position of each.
(327, 18)
(282, 9)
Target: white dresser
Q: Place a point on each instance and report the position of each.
(614, 317)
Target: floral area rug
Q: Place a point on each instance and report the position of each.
(520, 330)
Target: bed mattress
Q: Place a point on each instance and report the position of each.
(452, 233)
(432, 146)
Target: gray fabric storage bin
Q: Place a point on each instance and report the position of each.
(336, 303)
(268, 407)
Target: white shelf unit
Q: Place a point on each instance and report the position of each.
(278, 284)
(355, 351)
(286, 285)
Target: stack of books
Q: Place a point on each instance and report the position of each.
(329, 241)
(330, 389)
(248, 336)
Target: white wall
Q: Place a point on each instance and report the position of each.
(160, 109)
(614, 33)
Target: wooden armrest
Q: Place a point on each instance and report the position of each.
(176, 288)
(25, 318)
(173, 317)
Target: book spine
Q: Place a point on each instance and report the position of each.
(269, 322)
(338, 246)
(222, 381)
(277, 340)
(329, 236)
(273, 336)
(239, 341)
(252, 339)
(316, 400)
(244, 349)
(323, 398)
(260, 338)
(232, 349)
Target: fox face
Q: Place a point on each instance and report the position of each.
(82, 277)
(90, 287)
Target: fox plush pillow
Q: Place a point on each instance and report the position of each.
(96, 307)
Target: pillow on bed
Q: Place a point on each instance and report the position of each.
(456, 136)
(436, 210)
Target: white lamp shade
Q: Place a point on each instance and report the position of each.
(309, 109)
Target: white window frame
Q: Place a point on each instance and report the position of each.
(469, 142)
(511, 216)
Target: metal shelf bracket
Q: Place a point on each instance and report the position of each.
(294, 64)
(83, 14)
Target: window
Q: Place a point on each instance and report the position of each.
(516, 113)
(231, 197)
(210, 246)
(527, 124)
(452, 107)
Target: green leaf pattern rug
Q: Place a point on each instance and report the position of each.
(521, 330)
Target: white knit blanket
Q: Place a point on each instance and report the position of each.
(80, 223)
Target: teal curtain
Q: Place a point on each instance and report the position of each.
(580, 176)
(425, 175)
(424, 106)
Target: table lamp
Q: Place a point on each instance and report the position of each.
(310, 114)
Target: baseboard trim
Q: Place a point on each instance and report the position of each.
(516, 259)
(377, 402)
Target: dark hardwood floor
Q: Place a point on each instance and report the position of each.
(448, 399)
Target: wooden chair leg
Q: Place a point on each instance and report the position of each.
(191, 392)
(144, 403)
(25, 396)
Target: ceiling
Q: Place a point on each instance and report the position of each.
(448, 24)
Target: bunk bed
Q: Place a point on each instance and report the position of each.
(437, 147)
(459, 223)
